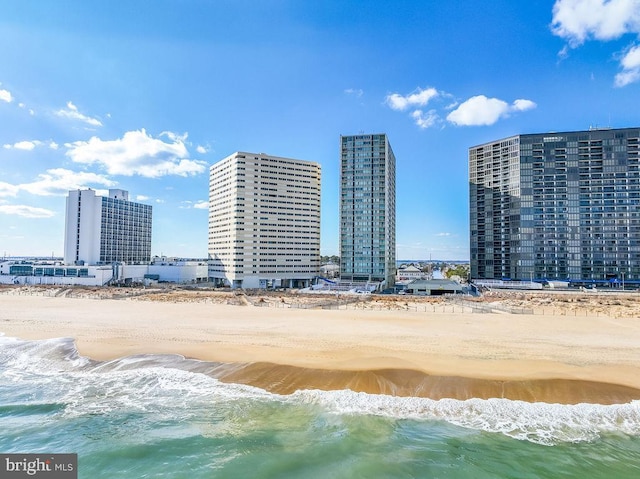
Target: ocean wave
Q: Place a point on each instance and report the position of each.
(172, 386)
(541, 423)
(43, 355)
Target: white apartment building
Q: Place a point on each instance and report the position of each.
(264, 221)
(105, 230)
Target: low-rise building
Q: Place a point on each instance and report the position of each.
(434, 287)
(45, 272)
(410, 272)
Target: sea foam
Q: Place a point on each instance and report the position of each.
(536, 422)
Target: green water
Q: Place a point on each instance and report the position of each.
(133, 419)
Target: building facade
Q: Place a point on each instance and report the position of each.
(556, 206)
(264, 221)
(51, 272)
(106, 229)
(367, 209)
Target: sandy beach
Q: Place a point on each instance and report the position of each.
(550, 358)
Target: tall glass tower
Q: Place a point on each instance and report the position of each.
(556, 206)
(367, 209)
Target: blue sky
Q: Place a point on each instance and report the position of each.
(146, 95)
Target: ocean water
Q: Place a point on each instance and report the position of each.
(163, 417)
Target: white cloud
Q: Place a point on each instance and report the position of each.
(201, 205)
(420, 97)
(564, 53)
(626, 77)
(425, 120)
(58, 182)
(480, 110)
(631, 58)
(7, 189)
(523, 105)
(137, 153)
(580, 20)
(357, 92)
(28, 145)
(443, 234)
(5, 95)
(201, 149)
(175, 137)
(71, 112)
(630, 64)
(26, 211)
(142, 198)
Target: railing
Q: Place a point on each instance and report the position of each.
(497, 283)
(478, 307)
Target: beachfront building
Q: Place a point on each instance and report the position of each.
(264, 221)
(367, 210)
(556, 206)
(106, 229)
(39, 271)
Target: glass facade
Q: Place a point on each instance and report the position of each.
(125, 232)
(556, 206)
(48, 270)
(367, 209)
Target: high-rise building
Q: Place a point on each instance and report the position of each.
(106, 229)
(367, 209)
(264, 221)
(556, 206)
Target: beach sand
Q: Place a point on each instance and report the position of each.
(566, 359)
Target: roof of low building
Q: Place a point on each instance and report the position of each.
(435, 284)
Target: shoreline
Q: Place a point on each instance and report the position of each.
(527, 357)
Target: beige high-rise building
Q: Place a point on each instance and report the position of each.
(264, 221)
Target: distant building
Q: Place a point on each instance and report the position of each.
(556, 206)
(330, 270)
(434, 287)
(106, 229)
(264, 221)
(410, 272)
(367, 209)
(50, 272)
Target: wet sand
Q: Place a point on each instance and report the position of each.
(565, 359)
